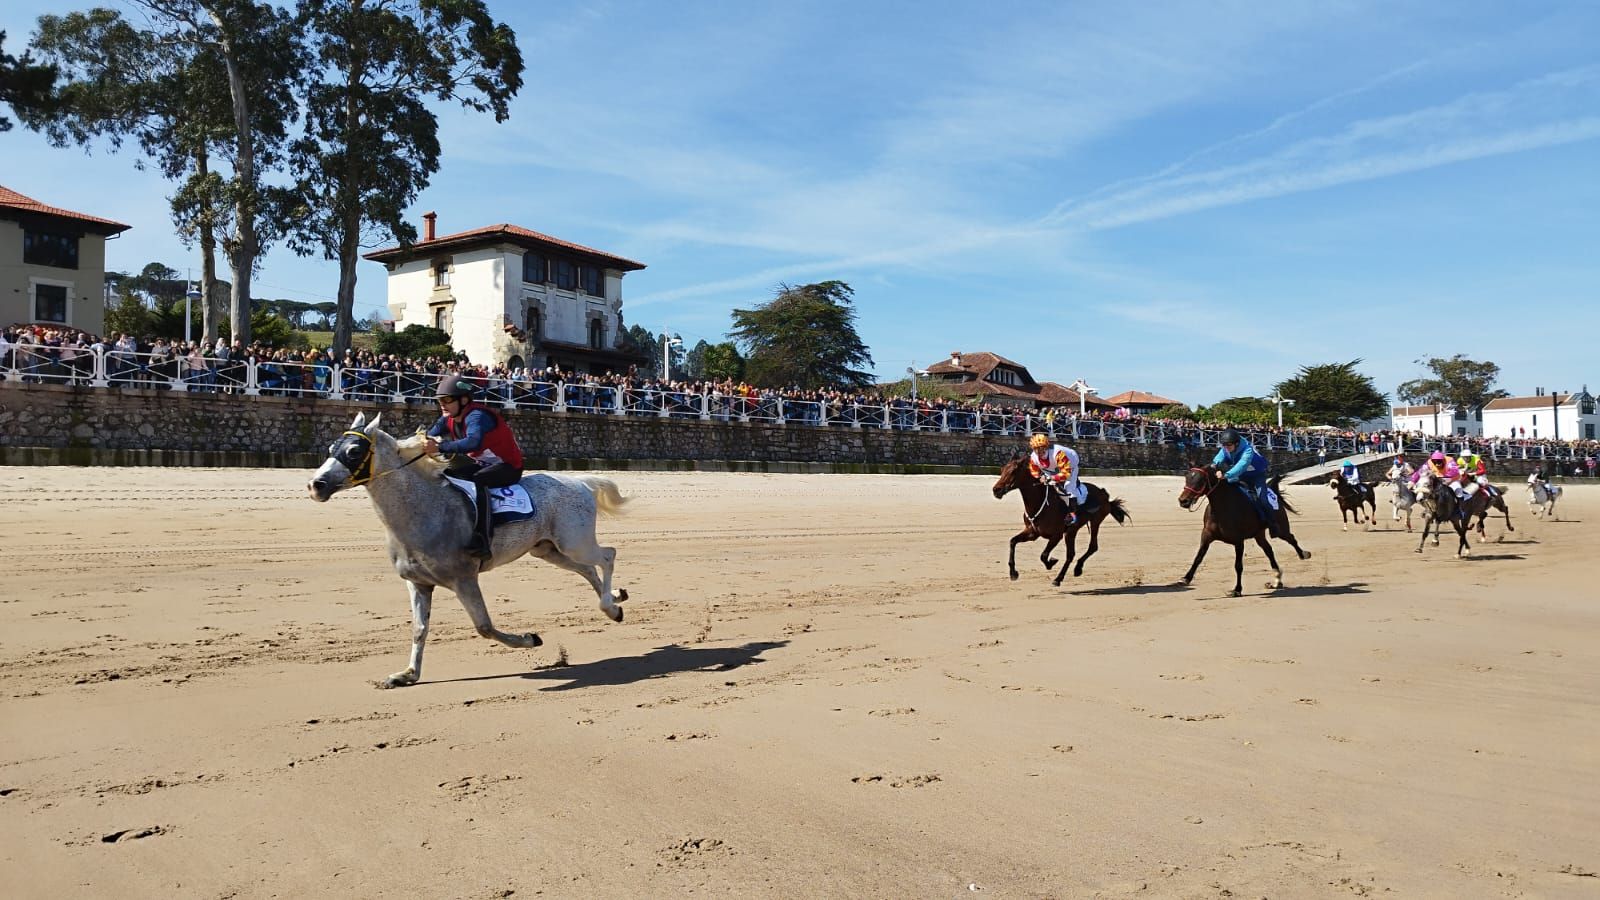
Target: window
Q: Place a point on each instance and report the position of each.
(566, 274)
(41, 248)
(1586, 405)
(1461, 413)
(50, 303)
(532, 321)
(441, 274)
(535, 268)
(597, 334)
(441, 318)
(593, 281)
(1004, 376)
(1588, 432)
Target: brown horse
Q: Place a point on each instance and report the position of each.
(1044, 515)
(1351, 498)
(1231, 517)
(1497, 502)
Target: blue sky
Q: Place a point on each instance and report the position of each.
(1193, 199)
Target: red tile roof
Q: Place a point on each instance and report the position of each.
(1428, 410)
(10, 199)
(1139, 398)
(490, 234)
(979, 365)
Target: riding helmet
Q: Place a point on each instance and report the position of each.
(1228, 436)
(1039, 441)
(454, 386)
(1437, 456)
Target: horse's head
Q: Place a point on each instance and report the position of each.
(349, 461)
(1012, 475)
(1197, 482)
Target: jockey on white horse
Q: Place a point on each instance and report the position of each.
(1403, 498)
(1542, 495)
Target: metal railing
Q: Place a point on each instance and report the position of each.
(192, 373)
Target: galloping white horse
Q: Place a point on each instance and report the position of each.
(1542, 497)
(1403, 498)
(429, 524)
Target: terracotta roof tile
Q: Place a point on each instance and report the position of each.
(505, 232)
(10, 199)
(1541, 402)
(1139, 398)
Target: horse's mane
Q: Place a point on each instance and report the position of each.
(411, 444)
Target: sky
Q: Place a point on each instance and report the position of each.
(1191, 199)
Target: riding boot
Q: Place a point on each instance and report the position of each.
(1072, 508)
(482, 543)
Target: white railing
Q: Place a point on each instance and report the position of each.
(37, 364)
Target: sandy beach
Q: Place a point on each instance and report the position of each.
(826, 686)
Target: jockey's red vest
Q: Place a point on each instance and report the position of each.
(498, 441)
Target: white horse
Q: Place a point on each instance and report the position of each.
(430, 522)
(1542, 497)
(1403, 498)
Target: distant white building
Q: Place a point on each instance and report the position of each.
(1437, 421)
(508, 295)
(1564, 416)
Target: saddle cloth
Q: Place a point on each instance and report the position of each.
(506, 504)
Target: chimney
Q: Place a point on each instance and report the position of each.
(955, 358)
(427, 225)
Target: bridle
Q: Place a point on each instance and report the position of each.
(362, 473)
(1210, 484)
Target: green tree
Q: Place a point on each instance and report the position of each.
(197, 80)
(371, 141)
(722, 362)
(639, 339)
(1239, 411)
(25, 86)
(694, 362)
(805, 336)
(413, 341)
(1333, 394)
(1173, 411)
(1457, 382)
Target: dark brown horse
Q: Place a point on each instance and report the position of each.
(1044, 515)
(1440, 505)
(1231, 517)
(1497, 502)
(1351, 498)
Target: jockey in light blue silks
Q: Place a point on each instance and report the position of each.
(1239, 463)
(1351, 474)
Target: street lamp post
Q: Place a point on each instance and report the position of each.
(1555, 412)
(667, 343)
(911, 370)
(1083, 389)
(1277, 399)
(188, 319)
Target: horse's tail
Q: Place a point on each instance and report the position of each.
(1276, 482)
(1119, 511)
(607, 498)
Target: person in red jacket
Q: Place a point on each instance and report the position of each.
(484, 448)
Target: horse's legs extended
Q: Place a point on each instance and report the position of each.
(578, 545)
(1205, 544)
(1238, 570)
(597, 580)
(1266, 547)
(471, 597)
(1344, 516)
(1027, 534)
(1286, 534)
(1506, 508)
(421, 608)
(1461, 530)
(1427, 520)
(1072, 552)
(1045, 556)
(1094, 543)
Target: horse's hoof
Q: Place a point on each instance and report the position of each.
(532, 640)
(1304, 554)
(1013, 576)
(1050, 564)
(399, 679)
(613, 612)
(622, 595)
(1274, 585)
(1236, 593)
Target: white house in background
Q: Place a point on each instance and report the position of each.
(508, 295)
(1436, 420)
(1565, 416)
(52, 264)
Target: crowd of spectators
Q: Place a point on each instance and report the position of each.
(46, 353)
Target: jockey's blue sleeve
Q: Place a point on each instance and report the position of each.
(478, 423)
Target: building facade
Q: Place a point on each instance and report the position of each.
(52, 264)
(1140, 403)
(1557, 416)
(991, 378)
(510, 296)
(1436, 420)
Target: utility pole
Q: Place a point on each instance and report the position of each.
(1277, 399)
(1083, 389)
(1555, 412)
(666, 355)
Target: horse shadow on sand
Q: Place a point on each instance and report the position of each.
(658, 663)
(1133, 590)
(1178, 587)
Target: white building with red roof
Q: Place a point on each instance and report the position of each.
(1140, 403)
(1567, 416)
(509, 295)
(52, 264)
